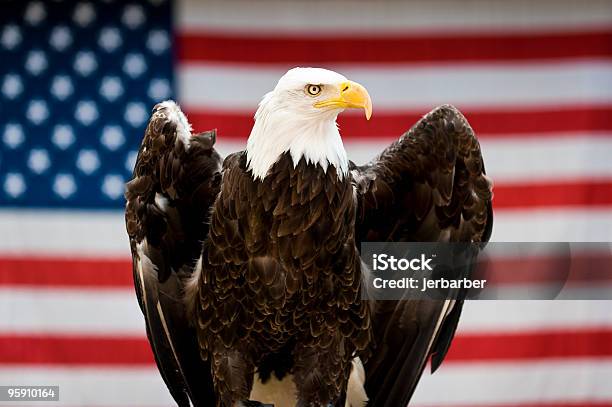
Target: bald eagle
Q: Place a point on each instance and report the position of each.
(247, 269)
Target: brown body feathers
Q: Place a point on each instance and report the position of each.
(273, 265)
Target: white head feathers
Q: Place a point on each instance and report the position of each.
(288, 121)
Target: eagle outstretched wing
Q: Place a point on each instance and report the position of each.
(428, 186)
(176, 179)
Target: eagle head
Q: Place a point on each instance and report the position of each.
(299, 116)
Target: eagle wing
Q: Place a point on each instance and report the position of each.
(430, 185)
(175, 181)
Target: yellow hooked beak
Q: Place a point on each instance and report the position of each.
(352, 95)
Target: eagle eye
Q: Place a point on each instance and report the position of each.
(313, 90)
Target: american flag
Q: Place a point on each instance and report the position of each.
(78, 80)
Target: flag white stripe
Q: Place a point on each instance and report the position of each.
(529, 159)
(57, 311)
(553, 225)
(533, 315)
(317, 18)
(77, 234)
(97, 386)
(241, 87)
(559, 381)
(83, 235)
(511, 159)
(61, 311)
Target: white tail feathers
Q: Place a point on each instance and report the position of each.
(355, 392)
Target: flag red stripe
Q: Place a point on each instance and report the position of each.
(117, 274)
(65, 272)
(236, 126)
(582, 193)
(526, 345)
(574, 268)
(398, 48)
(74, 350)
(89, 350)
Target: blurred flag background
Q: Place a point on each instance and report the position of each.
(77, 83)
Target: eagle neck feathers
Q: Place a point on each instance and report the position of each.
(278, 129)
